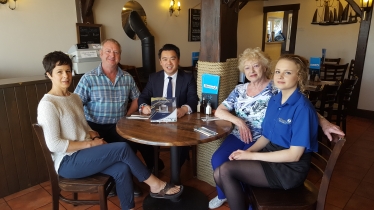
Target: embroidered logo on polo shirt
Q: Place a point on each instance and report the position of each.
(285, 121)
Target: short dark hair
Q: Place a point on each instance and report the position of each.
(169, 47)
(56, 58)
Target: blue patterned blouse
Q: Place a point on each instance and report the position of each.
(251, 109)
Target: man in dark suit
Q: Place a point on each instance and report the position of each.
(182, 86)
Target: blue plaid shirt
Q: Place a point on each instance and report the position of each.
(103, 101)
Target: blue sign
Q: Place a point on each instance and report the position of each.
(315, 63)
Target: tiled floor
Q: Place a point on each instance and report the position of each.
(351, 187)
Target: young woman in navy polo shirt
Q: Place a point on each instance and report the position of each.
(281, 157)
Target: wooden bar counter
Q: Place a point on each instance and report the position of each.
(22, 164)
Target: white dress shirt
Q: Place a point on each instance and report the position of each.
(173, 83)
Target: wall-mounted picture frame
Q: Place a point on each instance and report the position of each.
(88, 33)
(194, 32)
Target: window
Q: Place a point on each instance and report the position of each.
(274, 24)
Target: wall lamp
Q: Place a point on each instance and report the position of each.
(365, 7)
(5, 1)
(174, 9)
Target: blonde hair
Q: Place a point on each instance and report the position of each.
(303, 68)
(113, 41)
(255, 54)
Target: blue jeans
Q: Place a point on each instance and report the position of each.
(221, 155)
(115, 159)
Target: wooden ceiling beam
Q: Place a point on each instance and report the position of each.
(84, 11)
(242, 4)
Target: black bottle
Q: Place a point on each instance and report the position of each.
(202, 105)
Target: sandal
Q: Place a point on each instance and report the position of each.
(162, 194)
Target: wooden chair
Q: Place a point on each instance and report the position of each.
(332, 60)
(134, 73)
(312, 194)
(351, 69)
(340, 109)
(98, 183)
(333, 72)
(326, 100)
(190, 69)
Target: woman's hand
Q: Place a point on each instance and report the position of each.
(329, 128)
(245, 132)
(93, 134)
(78, 145)
(240, 155)
(97, 142)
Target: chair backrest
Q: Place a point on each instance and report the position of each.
(134, 73)
(328, 98)
(333, 72)
(323, 163)
(47, 155)
(189, 69)
(351, 69)
(332, 60)
(345, 92)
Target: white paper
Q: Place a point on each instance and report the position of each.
(96, 46)
(88, 54)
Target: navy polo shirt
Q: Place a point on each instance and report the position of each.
(294, 123)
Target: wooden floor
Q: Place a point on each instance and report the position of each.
(351, 187)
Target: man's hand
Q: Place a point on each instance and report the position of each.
(146, 109)
(182, 111)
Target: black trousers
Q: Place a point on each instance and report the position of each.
(109, 133)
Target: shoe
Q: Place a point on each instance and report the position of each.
(137, 191)
(216, 202)
(112, 192)
(162, 194)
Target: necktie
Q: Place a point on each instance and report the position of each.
(169, 93)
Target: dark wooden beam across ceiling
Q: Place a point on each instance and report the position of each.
(84, 11)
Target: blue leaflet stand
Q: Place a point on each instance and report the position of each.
(314, 67)
(210, 86)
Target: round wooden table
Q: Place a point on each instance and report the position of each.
(180, 133)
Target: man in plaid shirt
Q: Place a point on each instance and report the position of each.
(105, 93)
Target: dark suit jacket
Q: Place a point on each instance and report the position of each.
(185, 90)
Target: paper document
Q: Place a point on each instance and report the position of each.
(88, 54)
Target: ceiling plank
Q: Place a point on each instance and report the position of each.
(84, 11)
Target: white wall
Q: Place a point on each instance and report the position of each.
(250, 26)
(30, 31)
(41, 26)
(339, 40)
(164, 28)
